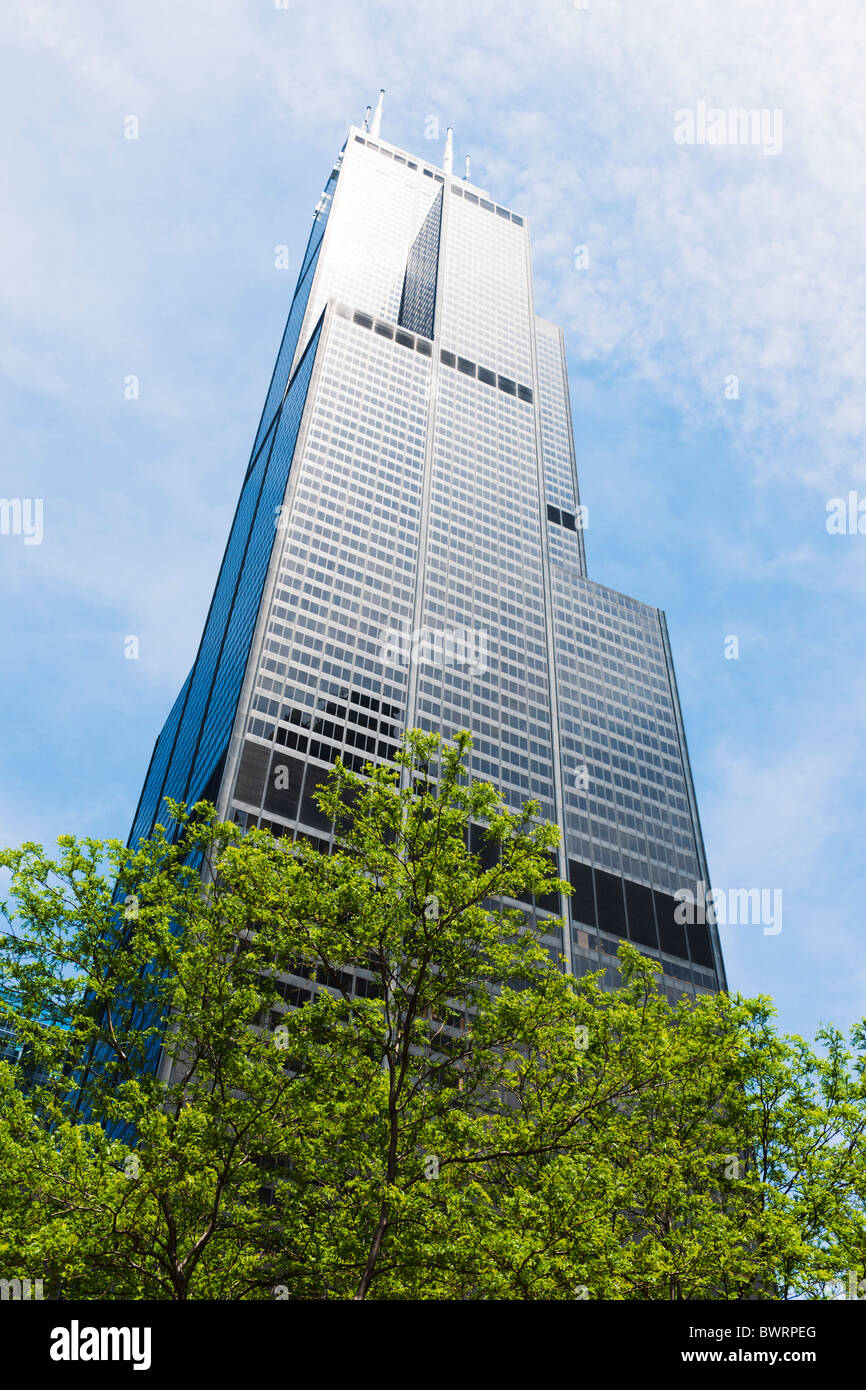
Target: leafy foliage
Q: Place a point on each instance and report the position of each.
(446, 1115)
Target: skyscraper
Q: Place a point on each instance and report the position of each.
(407, 551)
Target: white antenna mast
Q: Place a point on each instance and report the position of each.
(448, 157)
(377, 116)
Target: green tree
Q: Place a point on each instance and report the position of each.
(446, 1114)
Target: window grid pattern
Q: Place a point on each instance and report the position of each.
(382, 205)
(484, 571)
(485, 291)
(619, 736)
(331, 678)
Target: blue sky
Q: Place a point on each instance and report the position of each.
(155, 257)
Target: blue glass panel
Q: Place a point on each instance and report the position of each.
(418, 300)
(196, 734)
(148, 804)
(296, 315)
(239, 632)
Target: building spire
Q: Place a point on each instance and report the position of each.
(466, 175)
(377, 116)
(448, 157)
(366, 124)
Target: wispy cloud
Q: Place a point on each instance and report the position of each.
(155, 257)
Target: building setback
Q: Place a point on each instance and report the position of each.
(407, 551)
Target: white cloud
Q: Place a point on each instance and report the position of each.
(152, 256)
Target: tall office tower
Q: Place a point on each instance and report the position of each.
(407, 551)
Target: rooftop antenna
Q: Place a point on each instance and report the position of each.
(377, 116)
(466, 175)
(366, 124)
(448, 157)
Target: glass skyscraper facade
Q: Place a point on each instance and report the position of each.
(407, 551)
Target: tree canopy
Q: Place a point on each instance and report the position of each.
(260, 1071)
